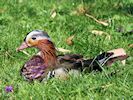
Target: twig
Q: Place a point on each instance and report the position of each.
(62, 50)
(26, 53)
(103, 86)
(106, 86)
(9, 54)
(100, 22)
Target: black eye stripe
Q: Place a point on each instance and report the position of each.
(33, 38)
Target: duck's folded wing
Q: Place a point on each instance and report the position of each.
(106, 58)
(69, 58)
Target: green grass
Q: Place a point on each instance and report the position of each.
(18, 17)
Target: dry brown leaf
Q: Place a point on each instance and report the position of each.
(63, 50)
(131, 45)
(69, 40)
(81, 9)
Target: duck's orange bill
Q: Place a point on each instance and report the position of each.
(23, 46)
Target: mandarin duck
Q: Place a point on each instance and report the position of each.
(47, 64)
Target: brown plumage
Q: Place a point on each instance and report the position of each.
(48, 64)
(48, 52)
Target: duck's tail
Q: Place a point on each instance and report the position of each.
(106, 58)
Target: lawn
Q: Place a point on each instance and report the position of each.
(62, 19)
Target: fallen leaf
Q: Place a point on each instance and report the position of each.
(123, 62)
(62, 50)
(97, 32)
(131, 45)
(80, 10)
(69, 40)
(53, 14)
(108, 37)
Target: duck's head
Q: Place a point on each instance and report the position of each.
(35, 39)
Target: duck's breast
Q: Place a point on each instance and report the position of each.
(34, 69)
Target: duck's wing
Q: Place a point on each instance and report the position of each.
(34, 69)
(106, 58)
(96, 63)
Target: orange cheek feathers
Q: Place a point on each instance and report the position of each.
(32, 42)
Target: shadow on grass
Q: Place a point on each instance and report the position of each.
(119, 6)
(124, 8)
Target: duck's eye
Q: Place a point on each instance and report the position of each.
(33, 38)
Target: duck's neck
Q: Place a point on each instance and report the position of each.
(48, 52)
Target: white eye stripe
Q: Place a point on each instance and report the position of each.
(38, 35)
(40, 38)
